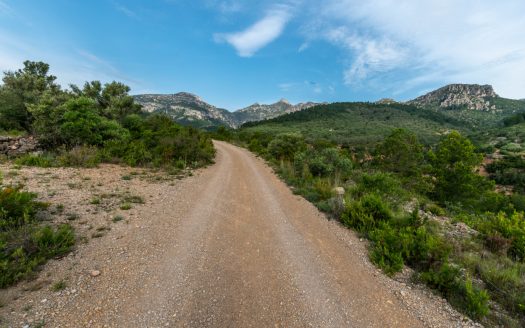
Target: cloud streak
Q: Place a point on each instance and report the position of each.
(260, 34)
(125, 10)
(431, 42)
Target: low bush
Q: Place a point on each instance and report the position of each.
(367, 213)
(23, 251)
(24, 244)
(38, 160)
(80, 156)
(17, 208)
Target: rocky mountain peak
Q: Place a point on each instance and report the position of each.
(284, 101)
(469, 96)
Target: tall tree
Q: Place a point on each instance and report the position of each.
(454, 163)
(22, 88)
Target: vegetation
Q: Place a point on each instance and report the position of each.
(396, 192)
(359, 124)
(93, 124)
(25, 243)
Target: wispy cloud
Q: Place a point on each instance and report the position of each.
(285, 87)
(5, 8)
(125, 10)
(260, 34)
(432, 42)
(370, 55)
(303, 47)
(304, 86)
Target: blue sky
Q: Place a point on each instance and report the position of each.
(236, 52)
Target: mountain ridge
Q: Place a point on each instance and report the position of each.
(468, 96)
(188, 108)
(454, 100)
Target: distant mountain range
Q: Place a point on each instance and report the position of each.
(470, 109)
(454, 100)
(189, 109)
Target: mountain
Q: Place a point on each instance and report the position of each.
(186, 108)
(459, 96)
(189, 109)
(359, 124)
(478, 106)
(258, 112)
(468, 108)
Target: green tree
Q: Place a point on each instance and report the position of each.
(72, 122)
(285, 145)
(22, 88)
(401, 153)
(112, 99)
(453, 167)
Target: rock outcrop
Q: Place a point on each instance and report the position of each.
(460, 96)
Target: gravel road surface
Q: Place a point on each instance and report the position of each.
(232, 246)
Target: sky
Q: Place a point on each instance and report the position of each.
(233, 53)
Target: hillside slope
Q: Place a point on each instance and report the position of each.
(479, 106)
(359, 123)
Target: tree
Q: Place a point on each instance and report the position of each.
(73, 122)
(401, 153)
(113, 99)
(22, 88)
(285, 145)
(453, 167)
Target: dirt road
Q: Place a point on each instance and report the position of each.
(232, 246)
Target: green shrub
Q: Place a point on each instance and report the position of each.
(125, 206)
(443, 278)
(20, 259)
(16, 207)
(389, 248)
(435, 209)
(43, 160)
(80, 156)
(58, 286)
(52, 242)
(366, 213)
(476, 300)
(284, 146)
(509, 226)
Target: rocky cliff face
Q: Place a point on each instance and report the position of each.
(188, 108)
(461, 96)
(258, 112)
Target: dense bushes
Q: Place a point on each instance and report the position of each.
(509, 171)
(84, 126)
(24, 244)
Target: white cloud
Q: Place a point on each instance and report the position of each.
(433, 41)
(371, 55)
(303, 47)
(260, 34)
